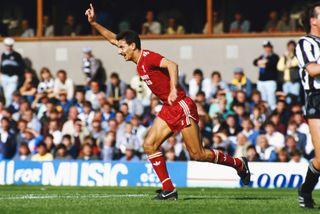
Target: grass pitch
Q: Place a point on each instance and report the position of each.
(37, 199)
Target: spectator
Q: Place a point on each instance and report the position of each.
(63, 84)
(289, 71)
(296, 157)
(92, 68)
(61, 153)
(107, 151)
(249, 131)
(282, 111)
(12, 69)
(32, 120)
(220, 141)
(87, 115)
(242, 145)
(115, 90)
(68, 126)
(150, 26)
(92, 95)
(283, 156)
(275, 138)
(7, 140)
(265, 151)
(96, 131)
(196, 83)
(291, 144)
(125, 111)
(252, 154)
(239, 25)
(232, 126)
(87, 153)
(217, 24)
(138, 130)
(127, 139)
(213, 85)
(174, 27)
(142, 90)
(55, 132)
(26, 30)
(72, 148)
(135, 105)
(129, 155)
(179, 151)
(32, 139)
(42, 154)
(285, 24)
(48, 140)
(170, 155)
(23, 153)
(267, 64)
(201, 100)
(79, 99)
(29, 87)
(255, 99)
(300, 138)
(15, 104)
(46, 82)
(71, 28)
(275, 119)
(241, 82)
(48, 28)
(303, 128)
(271, 25)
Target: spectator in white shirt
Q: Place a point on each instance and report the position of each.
(92, 95)
(274, 137)
(63, 83)
(55, 132)
(135, 105)
(151, 26)
(265, 150)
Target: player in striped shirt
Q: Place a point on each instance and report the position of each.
(308, 54)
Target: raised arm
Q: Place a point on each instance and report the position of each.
(110, 36)
(173, 72)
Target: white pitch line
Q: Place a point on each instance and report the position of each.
(71, 196)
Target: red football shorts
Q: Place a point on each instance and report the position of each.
(178, 115)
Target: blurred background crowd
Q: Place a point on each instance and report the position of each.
(66, 18)
(47, 116)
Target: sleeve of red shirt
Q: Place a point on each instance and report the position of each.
(153, 60)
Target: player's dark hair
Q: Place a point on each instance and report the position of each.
(309, 13)
(130, 37)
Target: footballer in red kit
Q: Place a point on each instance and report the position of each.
(178, 114)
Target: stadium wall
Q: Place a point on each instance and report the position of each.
(183, 174)
(223, 54)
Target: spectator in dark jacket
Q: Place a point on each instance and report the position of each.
(268, 74)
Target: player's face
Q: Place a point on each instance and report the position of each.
(125, 50)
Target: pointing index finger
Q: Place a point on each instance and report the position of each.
(91, 6)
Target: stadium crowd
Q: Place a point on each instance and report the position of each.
(50, 118)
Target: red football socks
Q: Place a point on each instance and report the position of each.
(224, 159)
(159, 166)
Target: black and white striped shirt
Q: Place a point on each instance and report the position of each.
(308, 51)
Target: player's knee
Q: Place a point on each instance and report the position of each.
(316, 163)
(148, 148)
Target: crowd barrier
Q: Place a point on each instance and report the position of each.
(183, 174)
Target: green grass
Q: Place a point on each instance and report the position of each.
(37, 199)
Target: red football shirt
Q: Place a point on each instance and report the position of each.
(157, 78)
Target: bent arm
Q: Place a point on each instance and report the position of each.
(173, 71)
(313, 69)
(110, 36)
